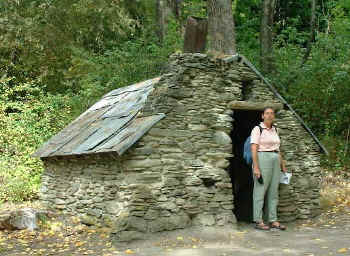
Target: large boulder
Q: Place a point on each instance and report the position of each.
(25, 218)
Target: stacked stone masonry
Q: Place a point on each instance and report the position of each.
(176, 174)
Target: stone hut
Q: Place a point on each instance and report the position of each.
(166, 153)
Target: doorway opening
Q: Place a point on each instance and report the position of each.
(240, 173)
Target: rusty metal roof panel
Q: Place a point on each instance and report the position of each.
(105, 124)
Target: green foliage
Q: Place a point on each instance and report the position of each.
(319, 90)
(37, 36)
(196, 8)
(339, 158)
(130, 62)
(28, 117)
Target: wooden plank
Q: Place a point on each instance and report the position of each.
(231, 58)
(249, 105)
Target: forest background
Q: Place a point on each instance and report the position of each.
(58, 57)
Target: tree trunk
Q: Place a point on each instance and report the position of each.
(165, 9)
(266, 27)
(221, 28)
(175, 6)
(313, 31)
(195, 34)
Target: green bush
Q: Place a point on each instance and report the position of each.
(28, 117)
(37, 36)
(319, 90)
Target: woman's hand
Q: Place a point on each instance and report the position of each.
(256, 171)
(283, 165)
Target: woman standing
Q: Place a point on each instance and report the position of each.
(267, 163)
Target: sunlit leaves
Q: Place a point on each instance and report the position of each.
(28, 117)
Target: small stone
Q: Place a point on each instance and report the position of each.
(222, 138)
(204, 220)
(89, 220)
(59, 201)
(128, 235)
(199, 127)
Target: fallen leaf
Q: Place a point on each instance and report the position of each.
(79, 243)
(128, 251)
(342, 250)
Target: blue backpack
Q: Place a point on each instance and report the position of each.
(247, 153)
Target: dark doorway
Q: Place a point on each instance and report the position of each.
(240, 172)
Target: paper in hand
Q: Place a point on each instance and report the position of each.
(285, 177)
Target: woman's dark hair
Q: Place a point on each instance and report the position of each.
(265, 108)
(268, 107)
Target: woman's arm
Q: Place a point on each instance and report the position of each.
(254, 146)
(254, 149)
(283, 165)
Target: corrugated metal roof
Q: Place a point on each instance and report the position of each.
(111, 124)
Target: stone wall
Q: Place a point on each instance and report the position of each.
(175, 175)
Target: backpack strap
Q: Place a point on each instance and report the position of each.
(263, 128)
(275, 128)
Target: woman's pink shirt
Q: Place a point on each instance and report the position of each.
(268, 140)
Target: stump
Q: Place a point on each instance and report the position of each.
(195, 34)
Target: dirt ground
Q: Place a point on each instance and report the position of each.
(328, 234)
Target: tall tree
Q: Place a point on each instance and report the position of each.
(266, 34)
(165, 9)
(221, 27)
(313, 31)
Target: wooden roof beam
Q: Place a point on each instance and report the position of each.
(249, 105)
